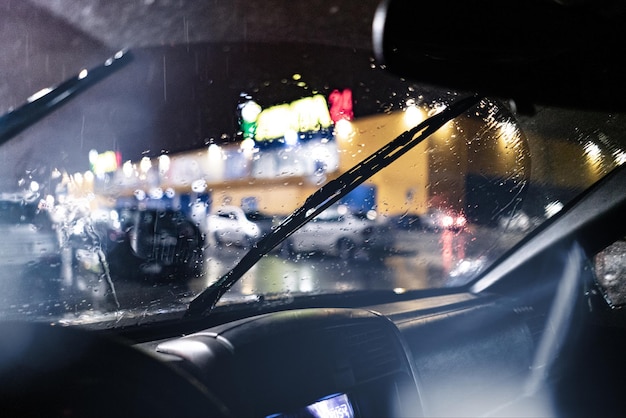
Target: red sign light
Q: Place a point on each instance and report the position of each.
(341, 105)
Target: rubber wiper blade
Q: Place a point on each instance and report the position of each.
(324, 197)
(45, 101)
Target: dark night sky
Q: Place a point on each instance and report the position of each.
(180, 98)
(173, 98)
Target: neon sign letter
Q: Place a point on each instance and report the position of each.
(341, 105)
(304, 115)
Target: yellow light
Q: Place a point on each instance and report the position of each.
(93, 157)
(128, 169)
(343, 129)
(291, 138)
(164, 164)
(620, 157)
(311, 113)
(78, 178)
(304, 115)
(247, 147)
(274, 122)
(145, 164)
(247, 144)
(214, 153)
(103, 163)
(593, 152)
(508, 132)
(413, 115)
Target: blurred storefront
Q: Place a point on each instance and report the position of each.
(287, 151)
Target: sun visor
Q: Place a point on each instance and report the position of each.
(566, 53)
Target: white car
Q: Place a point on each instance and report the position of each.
(228, 225)
(339, 233)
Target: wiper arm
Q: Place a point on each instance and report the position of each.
(324, 197)
(47, 100)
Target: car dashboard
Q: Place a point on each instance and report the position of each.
(449, 354)
(384, 360)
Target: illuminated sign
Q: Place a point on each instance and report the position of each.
(341, 105)
(106, 162)
(249, 114)
(304, 115)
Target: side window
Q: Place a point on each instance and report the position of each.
(329, 216)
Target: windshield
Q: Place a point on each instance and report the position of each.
(128, 201)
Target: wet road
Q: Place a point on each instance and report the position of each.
(421, 260)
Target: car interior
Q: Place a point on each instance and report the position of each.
(531, 335)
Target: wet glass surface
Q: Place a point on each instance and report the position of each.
(183, 160)
(421, 260)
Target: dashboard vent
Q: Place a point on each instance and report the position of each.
(370, 350)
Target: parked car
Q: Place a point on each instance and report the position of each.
(339, 233)
(437, 219)
(264, 221)
(228, 225)
(157, 244)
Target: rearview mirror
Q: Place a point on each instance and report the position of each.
(567, 53)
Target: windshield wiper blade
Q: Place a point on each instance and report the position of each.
(45, 101)
(324, 197)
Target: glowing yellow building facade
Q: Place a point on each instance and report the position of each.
(459, 167)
